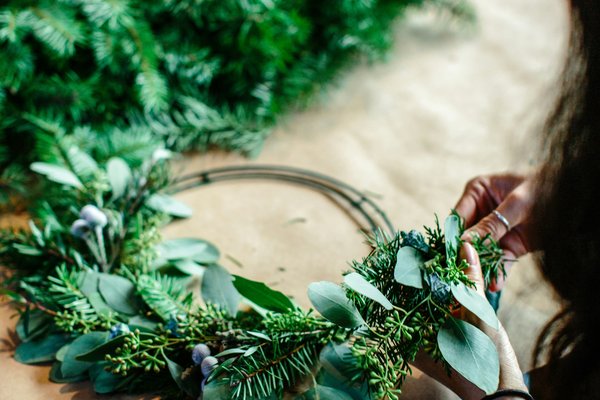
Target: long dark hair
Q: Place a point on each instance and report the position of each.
(567, 217)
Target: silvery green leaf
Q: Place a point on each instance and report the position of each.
(470, 352)
(452, 235)
(408, 267)
(330, 300)
(198, 250)
(56, 375)
(40, 350)
(218, 288)
(359, 284)
(119, 176)
(176, 371)
(475, 303)
(168, 205)
(189, 267)
(72, 367)
(118, 293)
(104, 382)
(57, 174)
(322, 392)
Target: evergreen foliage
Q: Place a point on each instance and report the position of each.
(190, 74)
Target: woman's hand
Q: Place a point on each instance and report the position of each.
(508, 194)
(511, 376)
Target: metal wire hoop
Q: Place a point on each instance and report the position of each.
(369, 216)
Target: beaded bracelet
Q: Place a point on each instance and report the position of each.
(508, 392)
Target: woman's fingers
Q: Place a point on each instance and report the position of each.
(512, 211)
(468, 253)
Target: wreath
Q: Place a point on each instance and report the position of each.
(103, 298)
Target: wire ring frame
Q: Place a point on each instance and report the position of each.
(368, 216)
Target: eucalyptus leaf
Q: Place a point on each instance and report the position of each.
(339, 368)
(321, 392)
(142, 323)
(470, 352)
(216, 390)
(359, 284)
(40, 350)
(99, 352)
(197, 250)
(57, 174)
(72, 367)
(32, 325)
(118, 293)
(475, 303)
(119, 176)
(407, 271)
(60, 354)
(218, 288)
(189, 267)
(262, 295)
(330, 300)
(452, 235)
(56, 375)
(176, 372)
(104, 382)
(168, 205)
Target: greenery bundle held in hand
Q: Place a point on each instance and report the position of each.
(103, 298)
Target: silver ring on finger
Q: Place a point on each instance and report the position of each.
(502, 219)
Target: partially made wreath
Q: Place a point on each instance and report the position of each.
(103, 298)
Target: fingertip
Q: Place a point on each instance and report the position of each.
(467, 251)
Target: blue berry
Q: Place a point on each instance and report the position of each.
(118, 330)
(94, 216)
(208, 365)
(200, 352)
(80, 228)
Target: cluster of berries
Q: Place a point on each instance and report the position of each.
(201, 356)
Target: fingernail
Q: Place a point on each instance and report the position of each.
(468, 253)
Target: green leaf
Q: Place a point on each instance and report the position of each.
(330, 300)
(99, 352)
(475, 303)
(60, 354)
(408, 267)
(57, 174)
(339, 368)
(356, 282)
(216, 390)
(105, 382)
(33, 324)
(142, 323)
(198, 250)
(320, 392)
(470, 352)
(452, 234)
(119, 176)
(218, 288)
(118, 293)
(168, 205)
(176, 372)
(72, 367)
(42, 350)
(57, 376)
(189, 267)
(262, 295)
